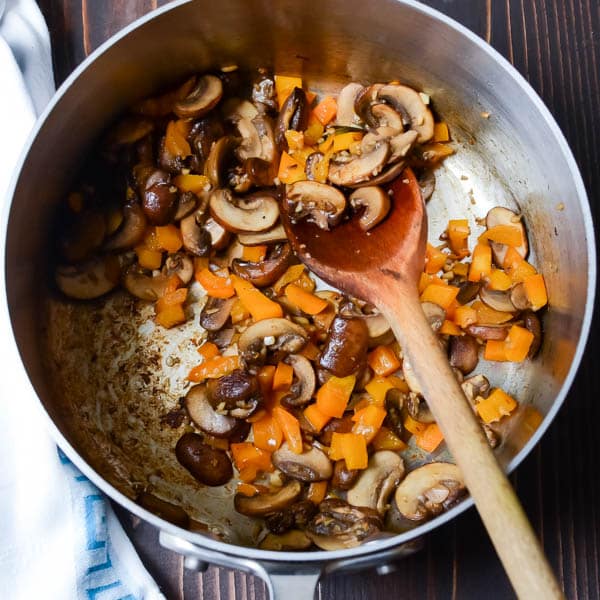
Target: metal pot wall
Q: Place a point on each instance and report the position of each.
(516, 156)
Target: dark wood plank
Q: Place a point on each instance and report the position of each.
(555, 44)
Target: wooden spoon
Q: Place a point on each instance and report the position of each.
(383, 267)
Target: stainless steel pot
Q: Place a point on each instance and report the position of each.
(515, 156)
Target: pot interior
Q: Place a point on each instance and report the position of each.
(109, 378)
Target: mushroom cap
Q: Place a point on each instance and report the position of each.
(88, 280)
(376, 204)
(250, 214)
(144, 286)
(131, 231)
(319, 203)
(363, 168)
(497, 299)
(202, 413)
(289, 336)
(411, 496)
(267, 271)
(303, 388)
(309, 466)
(263, 504)
(204, 96)
(345, 104)
(272, 236)
(375, 484)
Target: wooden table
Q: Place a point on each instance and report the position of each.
(556, 45)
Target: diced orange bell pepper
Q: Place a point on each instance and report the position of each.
(171, 316)
(238, 312)
(148, 258)
(249, 460)
(267, 433)
(440, 132)
(368, 420)
(465, 316)
(488, 315)
(192, 183)
(344, 141)
(378, 388)
(174, 298)
(305, 301)
(284, 86)
(497, 405)
(169, 238)
(255, 302)
(450, 328)
(442, 295)
(326, 110)
(292, 274)
(208, 350)
(386, 439)
(429, 439)
(215, 286)
(481, 262)
(499, 280)
(458, 235)
(310, 351)
(291, 428)
(314, 131)
(434, 152)
(461, 269)
(517, 343)
(317, 491)
(315, 417)
(254, 253)
(495, 350)
(283, 378)
(290, 170)
(351, 447)
(265, 377)
(415, 427)
(510, 235)
(294, 139)
(535, 290)
(214, 368)
(333, 395)
(247, 489)
(516, 266)
(383, 361)
(435, 259)
(175, 140)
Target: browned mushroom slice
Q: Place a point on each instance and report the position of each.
(488, 332)
(418, 409)
(427, 184)
(208, 465)
(380, 331)
(274, 334)
(293, 115)
(343, 478)
(216, 312)
(409, 103)
(319, 203)
(376, 483)
(518, 297)
(313, 465)
(375, 202)
(89, 280)
(294, 539)
(219, 236)
(260, 172)
(160, 198)
(429, 490)
(496, 299)
(250, 214)
(503, 216)
(345, 350)
(130, 232)
(468, 291)
(303, 386)
(532, 323)
(186, 205)
(263, 504)
(144, 286)
(390, 173)
(435, 314)
(463, 353)
(220, 156)
(129, 130)
(274, 235)
(179, 264)
(263, 91)
(196, 238)
(236, 395)
(386, 116)
(401, 144)
(206, 417)
(363, 102)
(338, 525)
(360, 169)
(345, 104)
(265, 272)
(205, 96)
(257, 139)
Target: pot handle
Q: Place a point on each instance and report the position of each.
(289, 584)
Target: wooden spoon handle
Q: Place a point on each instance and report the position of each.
(500, 509)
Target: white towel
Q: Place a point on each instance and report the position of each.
(59, 538)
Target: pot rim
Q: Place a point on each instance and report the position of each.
(381, 544)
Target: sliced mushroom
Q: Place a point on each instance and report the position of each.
(276, 334)
(532, 323)
(221, 154)
(386, 116)
(196, 239)
(376, 204)
(219, 236)
(401, 145)
(202, 413)
(251, 214)
(294, 539)
(179, 264)
(159, 198)
(429, 490)
(89, 280)
(215, 313)
(310, 466)
(418, 409)
(293, 115)
(488, 332)
(303, 386)
(186, 205)
(208, 465)
(257, 139)
(204, 96)
(260, 172)
(477, 385)
(435, 314)
(345, 104)
(463, 353)
(345, 350)
(265, 272)
(518, 297)
(468, 291)
(496, 299)
(388, 174)
(427, 184)
(500, 215)
(343, 478)
(318, 203)
(360, 169)
(338, 525)
(376, 483)
(139, 283)
(236, 395)
(410, 377)
(130, 232)
(263, 504)
(263, 90)
(409, 103)
(380, 331)
(275, 235)
(363, 102)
